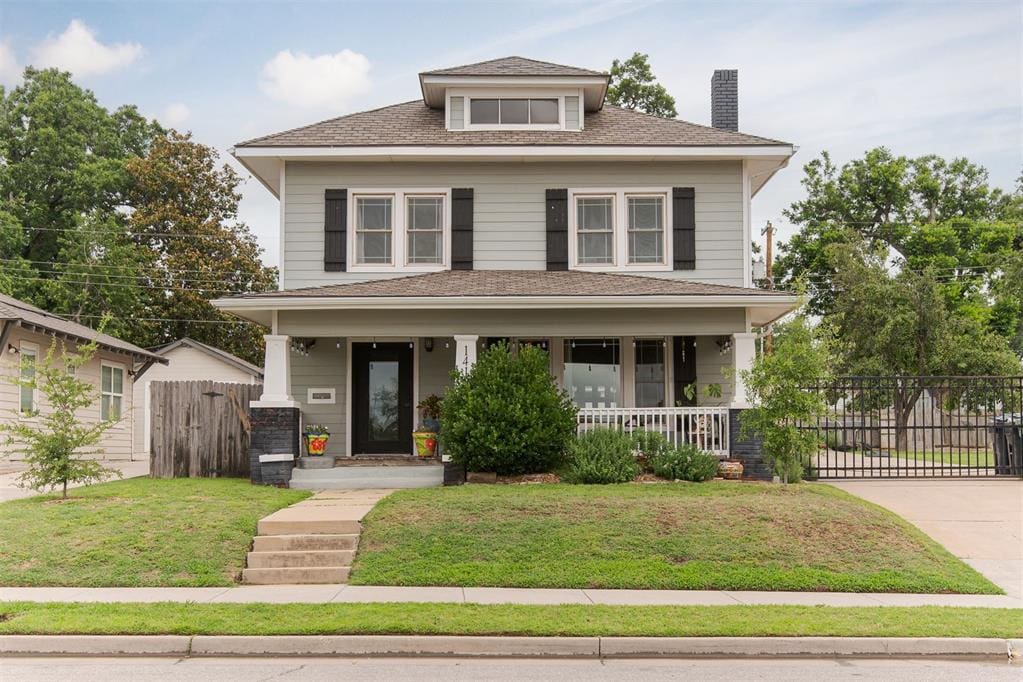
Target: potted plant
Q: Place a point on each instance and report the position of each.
(316, 437)
(425, 436)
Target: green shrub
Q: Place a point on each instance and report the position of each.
(686, 462)
(602, 456)
(651, 445)
(507, 415)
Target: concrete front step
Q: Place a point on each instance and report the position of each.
(369, 476)
(298, 543)
(295, 576)
(301, 559)
(308, 526)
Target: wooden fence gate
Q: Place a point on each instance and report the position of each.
(200, 428)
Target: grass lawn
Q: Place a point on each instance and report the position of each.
(136, 532)
(506, 619)
(717, 535)
(965, 458)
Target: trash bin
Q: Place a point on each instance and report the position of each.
(1008, 437)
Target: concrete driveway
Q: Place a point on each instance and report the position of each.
(9, 472)
(981, 522)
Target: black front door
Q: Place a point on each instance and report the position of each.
(381, 398)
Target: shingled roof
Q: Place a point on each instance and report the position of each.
(29, 316)
(513, 66)
(415, 124)
(477, 283)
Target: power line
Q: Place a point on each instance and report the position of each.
(92, 265)
(118, 233)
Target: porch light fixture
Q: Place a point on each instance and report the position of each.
(428, 344)
(724, 344)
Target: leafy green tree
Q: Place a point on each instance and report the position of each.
(633, 86)
(59, 442)
(776, 386)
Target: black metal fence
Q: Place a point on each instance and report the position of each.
(919, 427)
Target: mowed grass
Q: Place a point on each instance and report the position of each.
(136, 532)
(964, 458)
(717, 535)
(506, 619)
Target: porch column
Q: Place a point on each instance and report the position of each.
(465, 351)
(277, 373)
(744, 350)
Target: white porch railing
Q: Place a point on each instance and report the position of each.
(704, 427)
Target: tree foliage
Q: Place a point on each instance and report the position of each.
(633, 86)
(59, 441)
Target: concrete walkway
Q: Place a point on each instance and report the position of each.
(9, 472)
(322, 594)
(981, 522)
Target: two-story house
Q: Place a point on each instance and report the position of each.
(510, 202)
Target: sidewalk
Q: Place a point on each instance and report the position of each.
(323, 594)
(9, 472)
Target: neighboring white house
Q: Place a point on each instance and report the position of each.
(189, 360)
(511, 201)
(26, 335)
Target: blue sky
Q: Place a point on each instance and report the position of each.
(919, 77)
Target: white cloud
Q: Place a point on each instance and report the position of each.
(175, 114)
(10, 71)
(316, 82)
(78, 51)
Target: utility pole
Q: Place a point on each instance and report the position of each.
(769, 232)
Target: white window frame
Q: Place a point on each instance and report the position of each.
(510, 93)
(399, 234)
(124, 386)
(620, 260)
(33, 348)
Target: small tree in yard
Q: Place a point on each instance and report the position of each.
(776, 385)
(56, 444)
(507, 415)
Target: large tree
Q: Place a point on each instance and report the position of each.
(633, 86)
(185, 221)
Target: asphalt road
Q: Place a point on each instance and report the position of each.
(421, 670)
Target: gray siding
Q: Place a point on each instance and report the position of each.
(710, 362)
(326, 367)
(435, 367)
(572, 113)
(509, 230)
(456, 112)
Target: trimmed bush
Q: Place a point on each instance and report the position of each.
(507, 415)
(685, 463)
(602, 456)
(651, 445)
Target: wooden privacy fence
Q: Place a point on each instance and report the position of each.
(200, 428)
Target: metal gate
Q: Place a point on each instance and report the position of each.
(919, 427)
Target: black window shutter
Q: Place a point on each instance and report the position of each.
(557, 229)
(335, 230)
(684, 361)
(461, 229)
(683, 218)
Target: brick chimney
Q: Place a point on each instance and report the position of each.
(724, 99)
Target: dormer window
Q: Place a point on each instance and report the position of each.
(513, 111)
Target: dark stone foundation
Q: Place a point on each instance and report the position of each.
(749, 450)
(275, 431)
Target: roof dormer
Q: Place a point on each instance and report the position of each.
(514, 93)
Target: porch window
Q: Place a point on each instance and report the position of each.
(646, 228)
(29, 355)
(650, 374)
(425, 229)
(373, 229)
(111, 392)
(593, 372)
(595, 230)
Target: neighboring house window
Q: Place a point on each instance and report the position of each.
(595, 233)
(519, 111)
(406, 229)
(29, 355)
(111, 392)
(373, 228)
(620, 230)
(425, 228)
(593, 372)
(650, 373)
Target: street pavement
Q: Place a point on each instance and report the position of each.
(421, 669)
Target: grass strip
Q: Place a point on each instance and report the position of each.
(505, 619)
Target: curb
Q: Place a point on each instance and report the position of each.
(508, 647)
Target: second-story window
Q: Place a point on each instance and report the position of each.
(425, 228)
(646, 228)
(373, 229)
(620, 229)
(400, 229)
(595, 230)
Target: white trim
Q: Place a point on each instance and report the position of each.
(275, 403)
(278, 457)
(282, 242)
(619, 262)
(503, 81)
(636, 152)
(146, 418)
(348, 397)
(469, 95)
(747, 230)
(124, 380)
(399, 233)
(23, 346)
